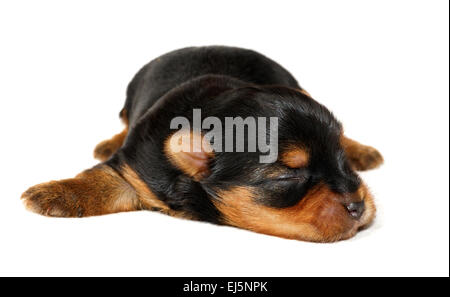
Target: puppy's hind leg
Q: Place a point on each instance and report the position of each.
(105, 149)
(361, 157)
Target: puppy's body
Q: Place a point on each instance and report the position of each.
(311, 192)
(180, 81)
(171, 70)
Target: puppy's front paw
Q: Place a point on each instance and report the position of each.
(52, 199)
(366, 158)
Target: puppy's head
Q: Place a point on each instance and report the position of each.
(308, 191)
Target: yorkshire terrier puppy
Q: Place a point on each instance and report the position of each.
(299, 182)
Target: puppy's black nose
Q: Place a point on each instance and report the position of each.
(356, 209)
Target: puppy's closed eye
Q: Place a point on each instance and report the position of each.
(296, 174)
(286, 189)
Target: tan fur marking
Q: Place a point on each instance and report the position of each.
(362, 157)
(96, 191)
(147, 198)
(370, 212)
(319, 216)
(105, 149)
(191, 156)
(124, 117)
(295, 158)
(305, 93)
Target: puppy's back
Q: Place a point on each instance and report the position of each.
(177, 67)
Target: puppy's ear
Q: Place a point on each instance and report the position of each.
(190, 152)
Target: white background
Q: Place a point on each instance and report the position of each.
(381, 66)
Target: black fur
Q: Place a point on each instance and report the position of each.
(225, 81)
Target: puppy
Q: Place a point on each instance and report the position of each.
(306, 188)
